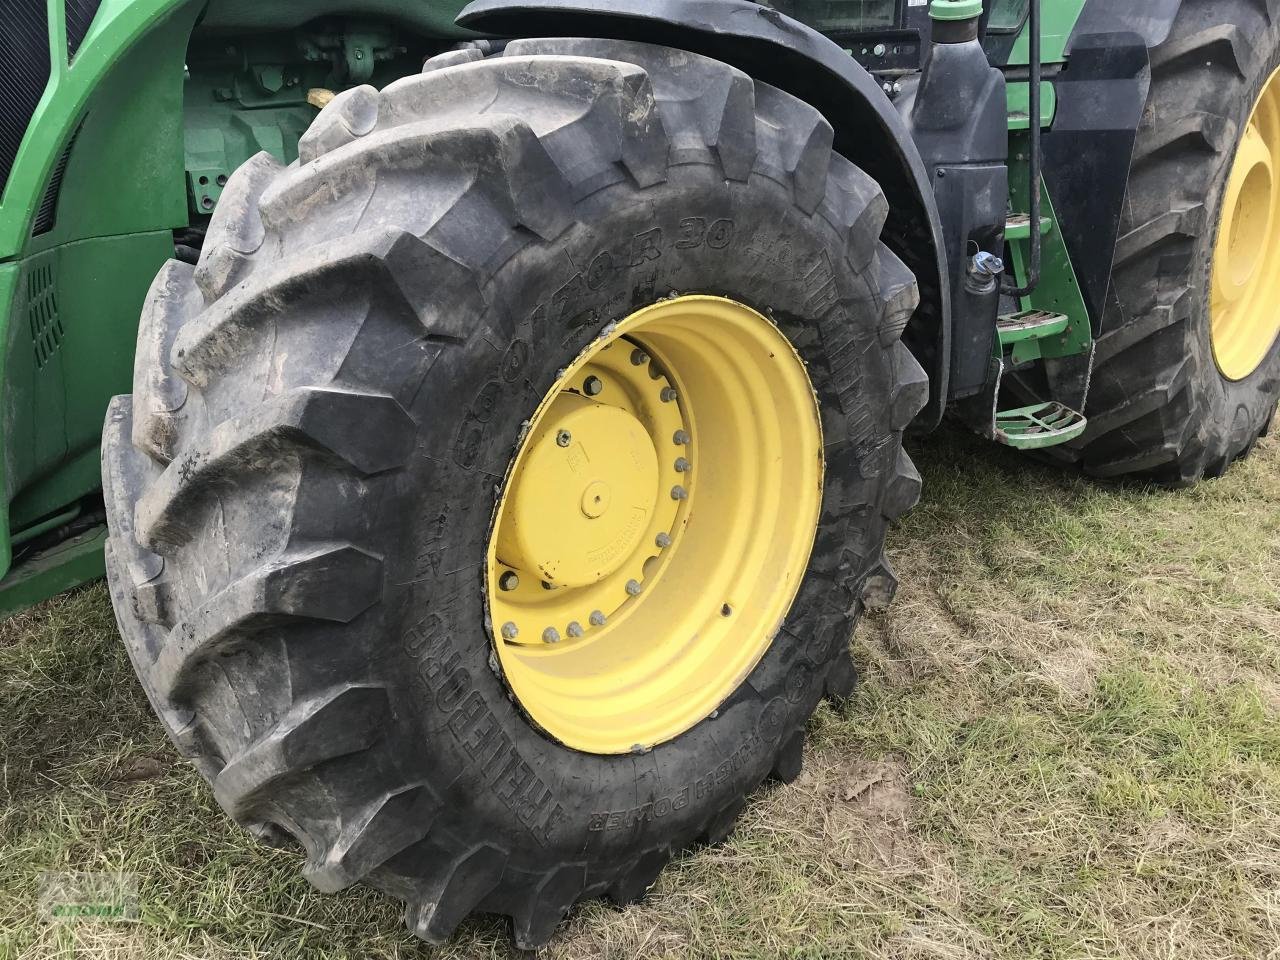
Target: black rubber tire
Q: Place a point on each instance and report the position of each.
(1159, 408)
(301, 487)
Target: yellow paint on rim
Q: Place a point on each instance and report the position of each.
(1245, 297)
(656, 524)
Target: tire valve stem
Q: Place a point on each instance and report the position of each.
(663, 540)
(575, 630)
(551, 635)
(597, 618)
(510, 631)
(679, 493)
(634, 588)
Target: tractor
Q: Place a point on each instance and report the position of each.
(504, 404)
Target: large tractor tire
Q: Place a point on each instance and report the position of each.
(1187, 374)
(499, 493)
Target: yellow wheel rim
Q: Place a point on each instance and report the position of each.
(655, 525)
(1245, 298)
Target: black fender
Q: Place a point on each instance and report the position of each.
(1088, 152)
(782, 52)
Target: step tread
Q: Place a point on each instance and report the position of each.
(1018, 226)
(1030, 325)
(1040, 425)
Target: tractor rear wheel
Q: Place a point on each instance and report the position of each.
(1187, 374)
(450, 539)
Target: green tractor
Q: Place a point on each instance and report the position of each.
(503, 457)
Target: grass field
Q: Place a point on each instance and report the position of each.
(1065, 746)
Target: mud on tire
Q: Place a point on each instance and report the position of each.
(302, 484)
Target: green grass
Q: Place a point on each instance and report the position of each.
(1065, 747)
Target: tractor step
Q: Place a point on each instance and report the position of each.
(1018, 226)
(1042, 425)
(1030, 325)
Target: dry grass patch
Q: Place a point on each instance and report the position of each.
(1065, 747)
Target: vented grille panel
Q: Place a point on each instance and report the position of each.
(42, 312)
(47, 214)
(80, 15)
(24, 72)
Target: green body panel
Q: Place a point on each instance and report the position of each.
(1058, 20)
(149, 118)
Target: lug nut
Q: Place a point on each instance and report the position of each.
(593, 386)
(681, 438)
(668, 394)
(597, 618)
(683, 465)
(663, 540)
(551, 635)
(639, 358)
(564, 438)
(508, 581)
(633, 588)
(510, 631)
(679, 493)
(575, 630)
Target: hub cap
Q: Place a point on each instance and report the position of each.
(1245, 304)
(655, 525)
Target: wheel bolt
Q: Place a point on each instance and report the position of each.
(681, 438)
(663, 540)
(683, 465)
(510, 631)
(575, 630)
(508, 581)
(679, 493)
(597, 618)
(634, 588)
(564, 438)
(668, 394)
(551, 635)
(639, 358)
(593, 386)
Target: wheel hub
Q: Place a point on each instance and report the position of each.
(655, 524)
(1246, 263)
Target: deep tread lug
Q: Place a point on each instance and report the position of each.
(842, 680)
(331, 583)
(542, 911)
(385, 828)
(236, 231)
(158, 395)
(721, 825)
(344, 721)
(350, 115)
(911, 393)
(634, 882)
(334, 422)
(881, 586)
(452, 58)
(790, 758)
(903, 491)
(436, 909)
(900, 296)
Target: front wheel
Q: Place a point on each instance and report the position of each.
(499, 493)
